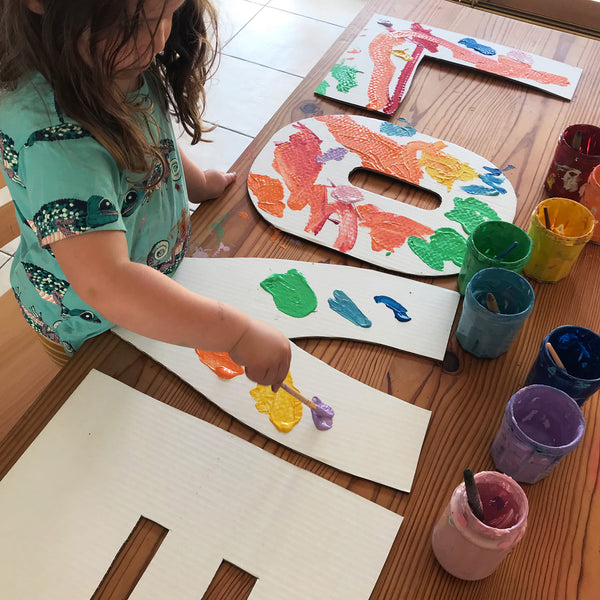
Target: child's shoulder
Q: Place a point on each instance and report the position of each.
(31, 110)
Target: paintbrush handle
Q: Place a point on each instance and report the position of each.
(473, 497)
(299, 396)
(555, 358)
(492, 303)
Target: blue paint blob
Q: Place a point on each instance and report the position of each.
(400, 130)
(493, 170)
(399, 310)
(475, 45)
(342, 305)
(480, 190)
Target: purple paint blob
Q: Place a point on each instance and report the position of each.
(322, 416)
(336, 154)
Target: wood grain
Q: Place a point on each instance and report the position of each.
(507, 123)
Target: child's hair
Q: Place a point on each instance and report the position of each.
(85, 90)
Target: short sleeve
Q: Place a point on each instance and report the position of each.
(72, 184)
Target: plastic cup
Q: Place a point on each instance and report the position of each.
(541, 425)
(557, 247)
(575, 156)
(488, 240)
(578, 349)
(487, 334)
(590, 198)
(469, 548)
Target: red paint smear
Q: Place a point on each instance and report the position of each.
(269, 193)
(296, 162)
(220, 363)
(389, 231)
(383, 68)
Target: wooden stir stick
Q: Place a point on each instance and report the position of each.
(555, 357)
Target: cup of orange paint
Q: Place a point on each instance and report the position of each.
(576, 154)
(559, 229)
(590, 198)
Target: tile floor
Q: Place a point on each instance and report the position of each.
(267, 47)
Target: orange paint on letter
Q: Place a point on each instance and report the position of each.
(220, 363)
(269, 192)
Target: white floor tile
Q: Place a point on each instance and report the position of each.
(5, 275)
(220, 153)
(332, 11)
(233, 15)
(243, 96)
(284, 41)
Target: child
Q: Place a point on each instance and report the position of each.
(99, 185)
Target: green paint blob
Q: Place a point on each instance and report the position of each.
(345, 76)
(322, 87)
(471, 212)
(444, 244)
(291, 293)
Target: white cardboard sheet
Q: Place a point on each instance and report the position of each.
(374, 435)
(112, 454)
(389, 50)
(299, 182)
(236, 281)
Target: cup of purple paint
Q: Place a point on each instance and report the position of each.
(540, 426)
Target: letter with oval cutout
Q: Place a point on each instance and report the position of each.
(300, 184)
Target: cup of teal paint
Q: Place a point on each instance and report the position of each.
(482, 331)
(494, 244)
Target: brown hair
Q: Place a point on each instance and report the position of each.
(86, 91)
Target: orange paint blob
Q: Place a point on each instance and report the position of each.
(220, 363)
(269, 192)
(389, 231)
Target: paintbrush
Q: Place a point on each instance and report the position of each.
(547, 218)
(473, 497)
(492, 303)
(322, 414)
(555, 357)
(577, 141)
(506, 251)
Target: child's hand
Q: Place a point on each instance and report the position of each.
(215, 183)
(264, 352)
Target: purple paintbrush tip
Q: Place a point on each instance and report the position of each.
(322, 415)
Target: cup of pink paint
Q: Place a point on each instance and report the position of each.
(472, 549)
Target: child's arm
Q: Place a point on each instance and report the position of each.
(143, 300)
(203, 185)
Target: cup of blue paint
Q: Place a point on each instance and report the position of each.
(578, 349)
(494, 244)
(540, 426)
(483, 332)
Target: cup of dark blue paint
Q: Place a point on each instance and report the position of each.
(483, 332)
(494, 244)
(578, 349)
(540, 426)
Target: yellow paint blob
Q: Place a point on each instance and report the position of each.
(446, 169)
(283, 409)
(403, 54)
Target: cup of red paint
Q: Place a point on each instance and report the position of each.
(576, 154)
(540, 426)
(472, 549)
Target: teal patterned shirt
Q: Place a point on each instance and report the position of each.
(64, 183)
